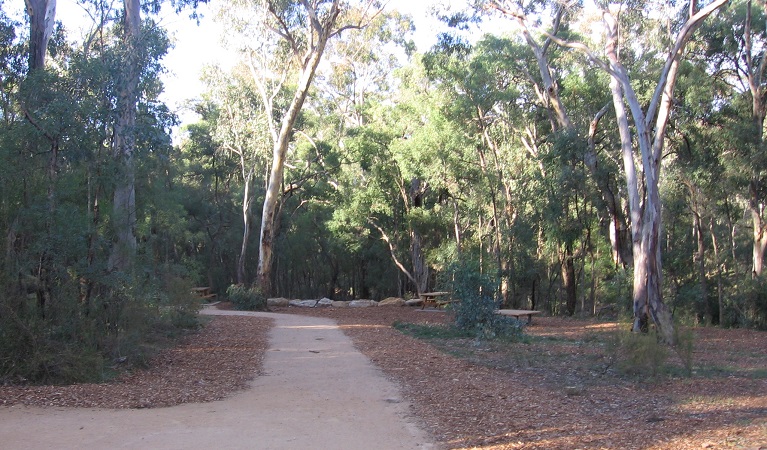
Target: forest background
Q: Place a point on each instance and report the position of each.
(540, 156)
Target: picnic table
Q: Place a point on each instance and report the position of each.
(517, 313)
(203, 292)
(432, 298)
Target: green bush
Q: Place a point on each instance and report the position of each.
(475, 309)
(246, 299)
(74, 338)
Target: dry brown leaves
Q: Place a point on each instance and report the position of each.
(203, 367)
(556, 391)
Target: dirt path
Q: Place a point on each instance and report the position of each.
(317, 391)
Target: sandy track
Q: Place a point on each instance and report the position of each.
(317, 391)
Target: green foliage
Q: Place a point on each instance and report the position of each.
(750, 300)
(475, 309)
(432, 331)
(246, 298)
(80, 337)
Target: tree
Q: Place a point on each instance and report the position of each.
(241, 128)
(650, 133)
(736, 45)
(42, 18)
(124, 143)
(124, 139)
(305, 27)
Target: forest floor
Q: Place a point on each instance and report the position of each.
(561, 386)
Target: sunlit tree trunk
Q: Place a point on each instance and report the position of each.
(646, 218)
(274, 187)
(320, 31)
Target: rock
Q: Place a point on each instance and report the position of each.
(392, 301)
(339, 304)
(325, 302)
(304, 303)
(414, 302)
(362, 303)
(573, 391)
(278, 302)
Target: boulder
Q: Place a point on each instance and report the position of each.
(392, 301)
(340, 304)
(278, 302)
(414, 302)
(362, 303)
(304, 303)
(325, 302)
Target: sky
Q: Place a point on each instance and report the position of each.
(198, 45)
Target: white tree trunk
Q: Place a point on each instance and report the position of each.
(273, 191)
(648, 301)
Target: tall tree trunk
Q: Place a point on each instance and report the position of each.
(569, 279)
(617, 223)
(420, 268)
(756, 208)
(719, 287)
(273, 191)
(247, 202)
(700, 260)
(42, 17)
(756, 65)
(124, 205)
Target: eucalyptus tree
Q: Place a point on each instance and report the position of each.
(539, 24)
(241, 127)
(42, 18)
(650, 133)
(124, 139)
(59, 249)
(404, 179)
(361, 69)
(293, 37)
(481, 83)
(736, 44)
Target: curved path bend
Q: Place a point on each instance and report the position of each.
(316, 392)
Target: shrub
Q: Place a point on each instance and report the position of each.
(643, 354)
(246, 299)
(475, 309)
(74, 338)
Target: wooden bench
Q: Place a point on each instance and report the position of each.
(431, 298)
(517, 313)
(203, 292)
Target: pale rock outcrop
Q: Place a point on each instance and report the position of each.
(303, 303)
(278, 302)
(392, 301)
(362, 303)
(325, 302)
